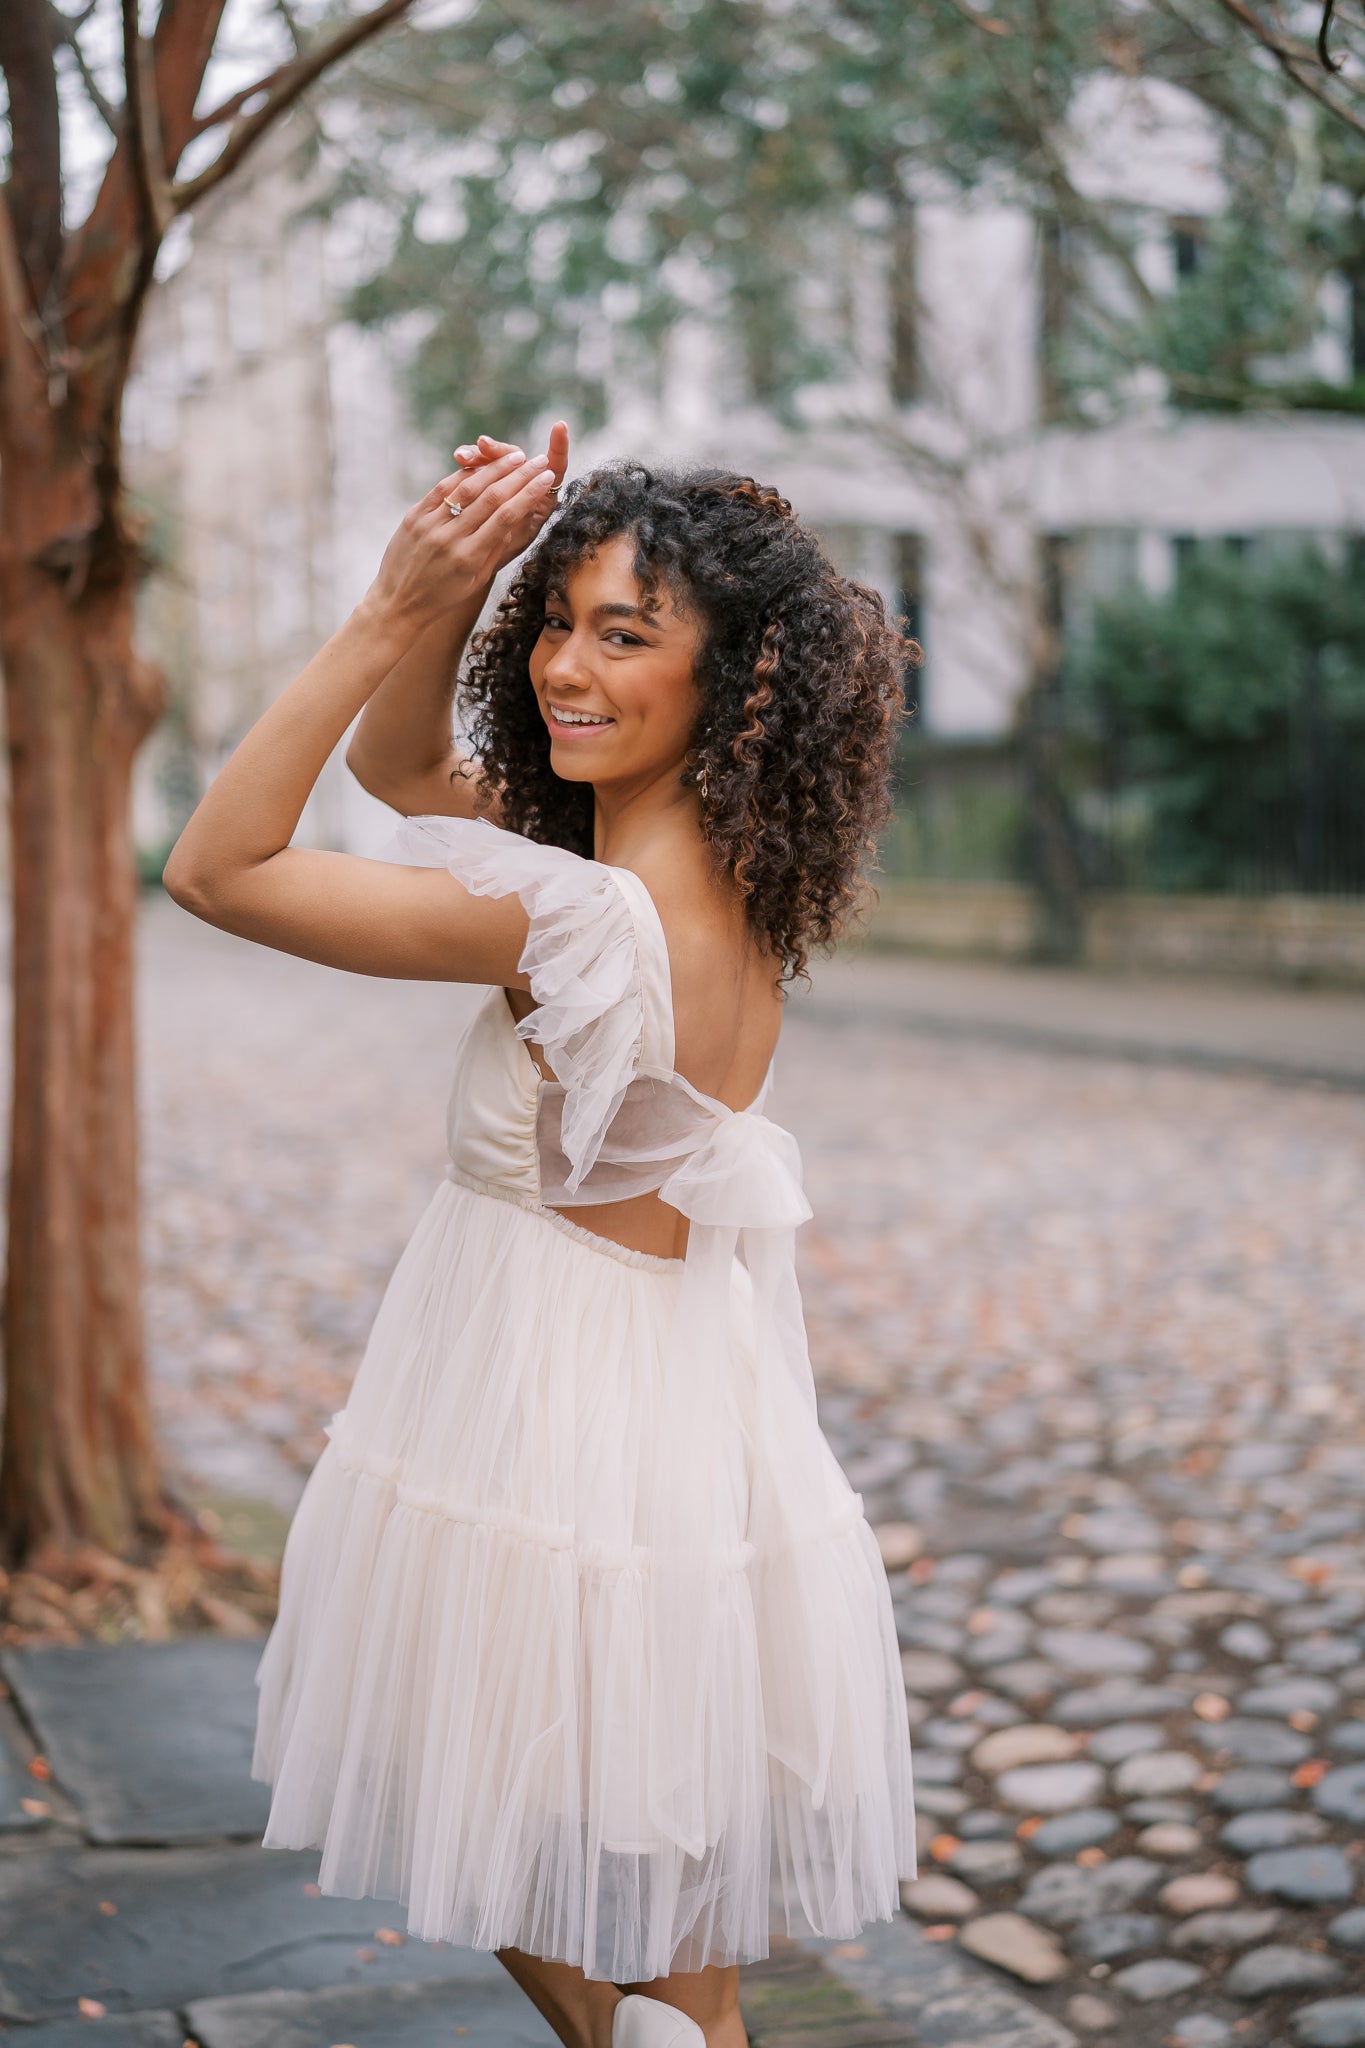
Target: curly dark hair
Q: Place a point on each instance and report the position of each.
(800, 677)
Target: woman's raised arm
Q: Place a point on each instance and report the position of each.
(233, 864)
(403, 750)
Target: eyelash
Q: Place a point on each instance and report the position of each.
(628, 639)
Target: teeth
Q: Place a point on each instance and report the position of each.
(577, 717)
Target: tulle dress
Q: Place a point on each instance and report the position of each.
(584, 1644)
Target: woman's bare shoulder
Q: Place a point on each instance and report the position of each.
(727, 1006)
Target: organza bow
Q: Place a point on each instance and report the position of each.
(747, 1176)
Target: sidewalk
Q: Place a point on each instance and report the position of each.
(1290, 1034)
(133, 1894)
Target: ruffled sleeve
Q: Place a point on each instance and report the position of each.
(581, 958)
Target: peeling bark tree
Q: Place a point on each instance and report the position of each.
(78, 1461)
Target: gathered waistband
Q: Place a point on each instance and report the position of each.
(625, 1253)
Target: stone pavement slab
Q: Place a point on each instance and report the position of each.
(116, 2030)
(16, 1784)
(192, 1923)
(151, 1741)
(476, 2014)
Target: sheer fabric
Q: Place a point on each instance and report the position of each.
(721, 1692)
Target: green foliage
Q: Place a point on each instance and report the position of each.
(1242, 303)
(1234, 712)
(560, 185)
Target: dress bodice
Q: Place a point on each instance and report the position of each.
(618, 1120)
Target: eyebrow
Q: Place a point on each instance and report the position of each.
(611, 611)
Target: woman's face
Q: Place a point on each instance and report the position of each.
(612, 673)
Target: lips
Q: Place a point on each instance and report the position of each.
(564, 720)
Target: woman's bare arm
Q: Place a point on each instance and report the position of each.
(403, 749)
(233, 864)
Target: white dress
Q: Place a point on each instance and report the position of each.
(584, 1645)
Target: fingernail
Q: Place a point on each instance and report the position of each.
(465, 454)
(539, 462)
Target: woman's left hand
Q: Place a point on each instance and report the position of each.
(451, 545)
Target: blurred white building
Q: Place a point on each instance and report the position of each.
(274, 445)
(271, 446)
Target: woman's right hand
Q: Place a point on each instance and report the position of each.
(436, 561)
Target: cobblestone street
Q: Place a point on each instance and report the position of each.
(1090, 1336)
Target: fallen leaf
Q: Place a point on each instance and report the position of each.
(942, 1930)
(1211, 1706)
(37, 1808)
(311, 1891)
(851, 1952)
(1090, 1859)
(108, 1906)
(1029, 1827)
(1303, 1720)
(1309, 1773)
(90, 2008)
(39, 1767)
(366, 1955)
(390, 1937)
(944, 1846)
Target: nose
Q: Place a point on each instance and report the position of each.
(566, 667)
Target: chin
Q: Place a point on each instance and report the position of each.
(574, 771)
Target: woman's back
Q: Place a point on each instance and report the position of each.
(727, 1015)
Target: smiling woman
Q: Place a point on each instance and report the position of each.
(585, 1651)
(613, 670)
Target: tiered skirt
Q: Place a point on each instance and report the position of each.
(455, 1699)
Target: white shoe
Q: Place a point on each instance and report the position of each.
(649, 2023)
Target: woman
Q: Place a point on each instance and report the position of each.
(585, 1652)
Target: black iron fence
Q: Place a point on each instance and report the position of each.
(1087, 802)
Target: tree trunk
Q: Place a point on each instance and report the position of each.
(79, 1461)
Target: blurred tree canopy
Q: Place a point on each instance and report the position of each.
(553, 189)
(1234, 709)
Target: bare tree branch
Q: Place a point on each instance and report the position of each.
(1069, 201)
(281, 90)
(286, 14)
(1325, 57)
(1299, 62)
(64, 29)
(144, 138)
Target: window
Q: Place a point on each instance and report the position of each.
(1187, 239)
(909, 593)
(1054, 296)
